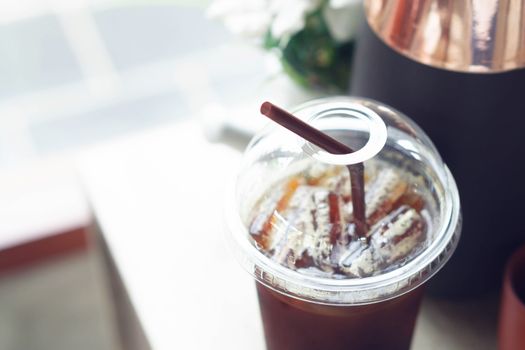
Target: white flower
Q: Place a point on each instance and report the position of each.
(290, 16)
(253, 18)
(249, 18)
(342, 18)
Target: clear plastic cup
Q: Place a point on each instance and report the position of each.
(316, 311)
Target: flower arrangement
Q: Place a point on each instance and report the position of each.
(314, 39)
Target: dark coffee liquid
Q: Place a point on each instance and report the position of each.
(291, 324)
(477, 122)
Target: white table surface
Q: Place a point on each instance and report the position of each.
(39, 199)
(158, 198)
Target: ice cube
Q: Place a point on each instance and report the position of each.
(359, 260)
(266, 212)
(309, 224)
(383, 193)
(397, 235)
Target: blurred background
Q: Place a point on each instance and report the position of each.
(72, 74)
(76, 74)
(84, 82)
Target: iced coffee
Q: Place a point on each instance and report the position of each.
(321, 282)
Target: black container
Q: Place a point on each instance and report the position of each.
(477, 122)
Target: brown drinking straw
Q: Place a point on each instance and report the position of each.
(330, 145)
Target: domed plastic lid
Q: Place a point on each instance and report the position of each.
(294, 214)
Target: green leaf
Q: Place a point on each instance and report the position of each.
(313, 59)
